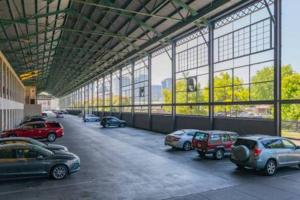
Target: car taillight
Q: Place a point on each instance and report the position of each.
(256, 151)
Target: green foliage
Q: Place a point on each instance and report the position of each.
(262, 84)
(261, 89)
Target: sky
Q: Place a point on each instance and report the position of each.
(291, 33)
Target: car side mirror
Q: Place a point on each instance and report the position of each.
(40, 157)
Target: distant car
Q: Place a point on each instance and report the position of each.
(37, 130)
(91, 118)
(26, 140)
(112, 121)
(218, 143)
(181, 139)
(44, 115)
(59, 115)
(265, 153)
(33, 119)
(27, 159)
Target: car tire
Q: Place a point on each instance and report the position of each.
(104, 126)
(13, 135)
(59, 172)
(270, 168)
(122, 125)
(219, 154)
(51, 137)
(240, 167)
(201, 154)
(187, 146)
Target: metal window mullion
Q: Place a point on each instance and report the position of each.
(150, 91)
(277, 67)
(120, 92)
(110, 93)
(132, 92)
(211, 74)
(174, 85)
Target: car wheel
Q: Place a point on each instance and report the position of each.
(201, 154)
(187, 146)
(104, 126)
(51, 137)
(270, 168)
(219, 154)
(240, 167)
(59, 172)
(13, 135)
(122, 125)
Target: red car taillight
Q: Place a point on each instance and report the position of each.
(257, 151)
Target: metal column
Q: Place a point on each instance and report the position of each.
(174, 85)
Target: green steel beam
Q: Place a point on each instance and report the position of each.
(25, 19)
(185, 6)
(31, 46)
(103, 34)
(125, 12)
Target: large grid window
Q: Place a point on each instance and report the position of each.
(126, 86)
(94, 94)
(192, 73)
(116, 91)
(100, 94)
(107, 92)
(161, 80)
(141, 82)
(244, 56)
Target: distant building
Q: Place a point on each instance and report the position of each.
(167, 84)
(157, 95)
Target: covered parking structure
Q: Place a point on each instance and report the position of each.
(161, 65)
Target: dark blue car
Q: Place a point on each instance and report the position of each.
(110, 121)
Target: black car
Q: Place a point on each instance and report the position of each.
(33, 119)
(26, 140)
(112, 121)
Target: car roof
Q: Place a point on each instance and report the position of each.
(260, 137)
(218, 132)
(16, 139)
(188, 130)
(16, 145)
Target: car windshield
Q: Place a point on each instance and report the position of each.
(44, 151)
(37, 143)
(178, 132)
(201, 136)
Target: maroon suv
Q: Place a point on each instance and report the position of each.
(214, 142)
(37, 130)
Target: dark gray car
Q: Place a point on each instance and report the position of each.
(27, 160)
(24, 140)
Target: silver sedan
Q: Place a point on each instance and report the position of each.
(181, 139)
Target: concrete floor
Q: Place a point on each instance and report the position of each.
(127, 163)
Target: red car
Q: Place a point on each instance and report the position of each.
(37, 130)
(213, 142)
